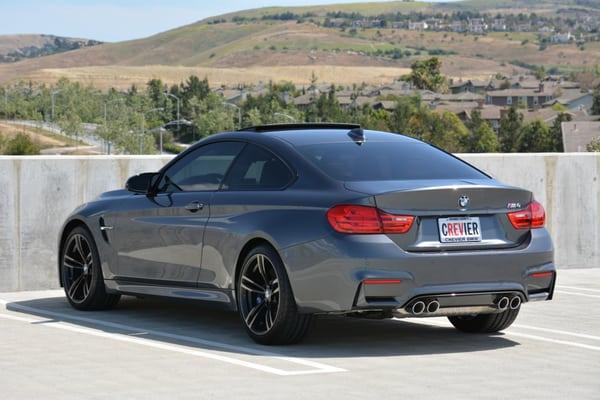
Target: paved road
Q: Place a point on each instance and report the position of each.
(160, 349)
(88, 136)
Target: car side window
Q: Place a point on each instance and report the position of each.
(201, 170)
(257, 169)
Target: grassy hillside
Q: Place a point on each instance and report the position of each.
(253, 44)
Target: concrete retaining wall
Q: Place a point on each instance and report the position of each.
(37, 193)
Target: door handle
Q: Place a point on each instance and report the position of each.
(194, 206)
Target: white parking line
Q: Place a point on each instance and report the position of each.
(578, 294)
(511, 332)
(560, 332)
(545, 339)
(318, 368)
(579, 288)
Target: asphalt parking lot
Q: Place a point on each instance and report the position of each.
(163, 349)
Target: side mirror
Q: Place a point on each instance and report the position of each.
(141, 183)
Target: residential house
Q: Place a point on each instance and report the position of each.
(458, 26)
(577, 135)
(546, 114)
(572, 99)
(492, 114)
(417, 25)
(498, 24)
(435, 24)
(528, 98)
(471, 85)
(477, 25)
(561, 38)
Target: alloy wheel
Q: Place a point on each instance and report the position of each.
(259, 294)
(78, 265)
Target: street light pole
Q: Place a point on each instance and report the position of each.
(167, 94)
(239, 110)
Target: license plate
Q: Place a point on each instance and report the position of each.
(459, 229)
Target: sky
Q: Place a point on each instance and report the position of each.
(114, 20)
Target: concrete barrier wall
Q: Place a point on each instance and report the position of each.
(37, 194)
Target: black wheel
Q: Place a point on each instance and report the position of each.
(265, 300)
(82, 275)
(485, 323)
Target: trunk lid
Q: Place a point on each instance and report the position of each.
(435, 203)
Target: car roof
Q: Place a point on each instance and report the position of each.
(323, 133)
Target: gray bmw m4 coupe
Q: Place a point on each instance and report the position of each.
(285, 222)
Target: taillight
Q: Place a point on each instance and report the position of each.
(533, 216)
(366, 219)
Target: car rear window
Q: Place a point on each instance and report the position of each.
(383, 161)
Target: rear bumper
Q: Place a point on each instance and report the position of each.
(327, 275)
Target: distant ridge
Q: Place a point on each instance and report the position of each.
(277, 37)
(18, 47)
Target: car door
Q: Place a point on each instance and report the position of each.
(159, 238)
(251, 199)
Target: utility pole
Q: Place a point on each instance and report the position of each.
(239, 110)
(167, 94)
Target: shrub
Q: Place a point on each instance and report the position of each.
(20, 145)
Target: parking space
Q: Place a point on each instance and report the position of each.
(154, 348)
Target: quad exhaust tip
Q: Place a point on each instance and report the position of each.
(433, 306)
(503, 303)
(515, 302)
(418, 308)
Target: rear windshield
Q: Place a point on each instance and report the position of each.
(386, 161)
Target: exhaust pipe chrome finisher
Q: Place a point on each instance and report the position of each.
(418, 308)
(503, 303)
(433, 306)
(515, 302)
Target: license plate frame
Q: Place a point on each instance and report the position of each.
(459, 230)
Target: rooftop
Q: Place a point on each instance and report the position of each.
(578, 134)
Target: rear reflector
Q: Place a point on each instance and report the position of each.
(531, 217)
(546, 274)
(381, 281)
(357, 219)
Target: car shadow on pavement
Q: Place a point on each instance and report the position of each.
(199, 326)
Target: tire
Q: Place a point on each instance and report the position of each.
(81, 273)
(485, 323)
(260, 295)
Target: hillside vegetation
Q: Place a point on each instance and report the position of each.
(19, 47)
(253, 41)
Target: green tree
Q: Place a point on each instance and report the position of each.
(406, 108)
(210, 115)
(70, 124)
(253, 117)
(447, 132)
(426, 74)
(594, 145)
(326, 108)
(20, 145)
(510, 127)
(556, 141)
(482, 138)
(534, 138)
(540, 72)
(596, 102)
